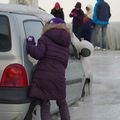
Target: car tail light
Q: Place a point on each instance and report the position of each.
(14, 75)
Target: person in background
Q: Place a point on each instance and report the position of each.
(57, 11)
(48, 79)
(89, 11)
(101, 18)
(77, 22)
(88, 24)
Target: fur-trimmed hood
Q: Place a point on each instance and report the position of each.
(63, 26)
(58, 33)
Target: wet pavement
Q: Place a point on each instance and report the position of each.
(104, 101)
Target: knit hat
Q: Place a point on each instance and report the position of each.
(56, 21)
(57, 5)
(78, 5)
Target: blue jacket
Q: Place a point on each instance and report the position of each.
(101, 12)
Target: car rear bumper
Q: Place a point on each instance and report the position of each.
(14, 103)
(14, 95)
(13, 111)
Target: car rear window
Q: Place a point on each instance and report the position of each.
(5, 42)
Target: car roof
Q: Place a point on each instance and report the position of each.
(24, 9)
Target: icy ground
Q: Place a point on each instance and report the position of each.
(104, 101)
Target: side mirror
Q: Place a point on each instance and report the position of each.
(85, 52)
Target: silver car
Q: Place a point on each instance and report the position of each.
(17, 22)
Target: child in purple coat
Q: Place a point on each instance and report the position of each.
(48, 79)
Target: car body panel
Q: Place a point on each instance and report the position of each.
(13, 111)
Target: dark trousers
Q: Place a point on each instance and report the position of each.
(45, 109)
(77, 30)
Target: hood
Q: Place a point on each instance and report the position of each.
(90, 8)
(57, 5)
(78, 5)
(89, 12)
(58, 34)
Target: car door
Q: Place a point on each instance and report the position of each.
(33, 28)
(5, 41)
(29, 25)
(75, 77)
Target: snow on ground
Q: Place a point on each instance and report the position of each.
(104, 101)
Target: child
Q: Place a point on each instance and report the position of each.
(48, 83)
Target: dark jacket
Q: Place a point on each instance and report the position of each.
(87, 28)
(101, 12)
(58, 13)
(78, 16)
(52, 55)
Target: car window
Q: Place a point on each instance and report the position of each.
(33, 28)
(5, 42)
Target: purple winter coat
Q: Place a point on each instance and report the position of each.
(52, 51)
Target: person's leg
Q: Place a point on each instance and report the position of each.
(73, 28)
(63, 108)
(94, 38)
(104, 40)
(45, 110)
(90, 34)
(98, 35)
(30, 110)
(75, 31)
(79, 32)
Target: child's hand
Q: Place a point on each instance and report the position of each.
(30, 40)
